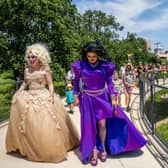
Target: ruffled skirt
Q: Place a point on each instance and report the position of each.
(38, 129)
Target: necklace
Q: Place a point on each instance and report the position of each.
(94, 64)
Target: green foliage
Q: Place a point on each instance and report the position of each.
(4, 113)
(58, 72)
(59, 87)
(58, 24)
(132, 44)
(7, 89)
(25, 22)
(160, 106)
(6, 75)
(161, 75)
(163, 131)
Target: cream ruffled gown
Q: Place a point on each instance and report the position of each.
(40, 130)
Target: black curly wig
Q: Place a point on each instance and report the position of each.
(94, 46)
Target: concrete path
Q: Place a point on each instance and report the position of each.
(138, 159)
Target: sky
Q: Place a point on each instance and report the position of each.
(146, 18)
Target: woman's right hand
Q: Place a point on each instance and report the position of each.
(76, 102)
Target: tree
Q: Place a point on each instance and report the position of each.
(48, 21)
(98, 25)
(57, 24)
(3, 51)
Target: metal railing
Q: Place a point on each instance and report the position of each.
(154, 104)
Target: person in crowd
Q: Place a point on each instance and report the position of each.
(39, 127)
(118, 86)
(129, 83)
(122, 71)
(105, 128)
(70, 97)
(70, 77)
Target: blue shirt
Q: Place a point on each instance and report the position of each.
(69, 96)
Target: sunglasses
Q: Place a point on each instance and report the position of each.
(33, 57)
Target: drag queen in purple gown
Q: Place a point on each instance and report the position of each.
(102, 129)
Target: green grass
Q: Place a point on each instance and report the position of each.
(161, 111)
(163, 131)
(160, 106)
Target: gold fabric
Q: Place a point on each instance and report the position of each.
(40, 130)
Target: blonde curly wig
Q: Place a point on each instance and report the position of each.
(40, 51)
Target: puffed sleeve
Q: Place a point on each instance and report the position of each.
(109, 75)
(76, 67)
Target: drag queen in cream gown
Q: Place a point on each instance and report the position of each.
(39, 127)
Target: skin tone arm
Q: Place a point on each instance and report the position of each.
(76, 102)
(50, 86)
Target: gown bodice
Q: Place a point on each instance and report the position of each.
(93, 78)
(35, 80)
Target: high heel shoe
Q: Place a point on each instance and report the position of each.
(94, 158)
(103, 156)
(94, 162)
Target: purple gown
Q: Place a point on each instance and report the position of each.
(95, 104)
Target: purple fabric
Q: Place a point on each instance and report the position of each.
(96, 105)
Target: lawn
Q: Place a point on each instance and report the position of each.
(160, 106)
(161, 112)
(163, 131)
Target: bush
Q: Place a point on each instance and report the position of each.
(59, 87)
(58, 72)
(6, 75)
(7, 89)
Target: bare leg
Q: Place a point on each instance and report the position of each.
(119, 100)
(94, 157)
(102, 133)
(126, 98)
(129, 99)
(71, 108)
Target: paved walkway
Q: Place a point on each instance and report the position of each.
(139, 159)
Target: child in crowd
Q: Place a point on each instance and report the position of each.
(70, 97)
(118, 86)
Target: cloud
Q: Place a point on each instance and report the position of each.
(128, 13)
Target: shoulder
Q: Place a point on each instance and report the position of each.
(108, 65)
(77, 66)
